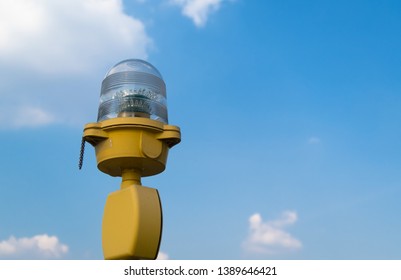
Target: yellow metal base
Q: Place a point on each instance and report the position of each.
(132, 224)
(126, 143)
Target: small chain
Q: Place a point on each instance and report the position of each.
(81, 154)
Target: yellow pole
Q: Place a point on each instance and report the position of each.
(130, 177)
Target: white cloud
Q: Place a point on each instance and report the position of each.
(314, 140)
(67, 36)
(53, 55)
(198, 10)
(162, 256)
(36, 247)
(24, 116)
(270, 237)
(28, 116)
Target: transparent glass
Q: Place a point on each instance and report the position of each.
(133, 88)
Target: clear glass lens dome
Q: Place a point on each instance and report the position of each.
(133, 88)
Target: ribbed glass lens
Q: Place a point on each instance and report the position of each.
(133, 88)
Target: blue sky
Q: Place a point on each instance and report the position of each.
(289, 111)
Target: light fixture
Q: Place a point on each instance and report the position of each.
(132, 138)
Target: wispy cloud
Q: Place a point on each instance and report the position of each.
(198, 10)
(28, 116)
(162, 256)
(23, 116)
(269, 237)
(314, 140)
(36, 247)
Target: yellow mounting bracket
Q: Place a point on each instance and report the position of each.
(132, 222)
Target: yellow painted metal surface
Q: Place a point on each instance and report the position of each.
(132, 224)
(132, 147)
(126, 143)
